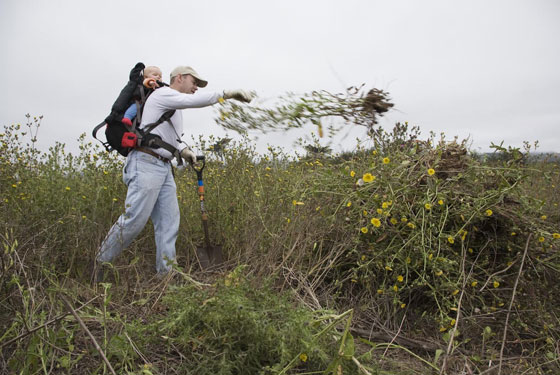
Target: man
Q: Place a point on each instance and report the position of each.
(148, 171)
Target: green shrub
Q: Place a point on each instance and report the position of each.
(236, 327)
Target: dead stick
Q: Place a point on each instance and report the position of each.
(511, 304)
(82, 324)
(53, 320)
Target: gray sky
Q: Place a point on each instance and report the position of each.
(484, 69)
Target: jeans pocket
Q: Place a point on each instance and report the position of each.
(129, 169)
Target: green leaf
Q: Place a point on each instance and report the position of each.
(438, 354)
(349, 347)
(333, 367)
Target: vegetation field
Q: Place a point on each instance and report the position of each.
(403, 256)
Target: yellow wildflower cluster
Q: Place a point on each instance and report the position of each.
(368, 177)
(376, 222)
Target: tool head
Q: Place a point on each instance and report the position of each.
(209, 257)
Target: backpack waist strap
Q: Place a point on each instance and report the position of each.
(150, 152)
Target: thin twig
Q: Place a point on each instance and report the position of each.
(135, 348)
(396, 334)
(494, 274)
(360, 366)
(85, 328)
(511, 303)
(53, 320)
(452, 334)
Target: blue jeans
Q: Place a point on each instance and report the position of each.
(151, 193)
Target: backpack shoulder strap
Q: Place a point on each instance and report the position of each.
(165, 117)
(94, 134)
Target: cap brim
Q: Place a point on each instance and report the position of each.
(201, 82)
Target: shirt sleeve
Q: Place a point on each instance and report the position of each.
(175, 100)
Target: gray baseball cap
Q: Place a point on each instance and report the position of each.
(188, 70)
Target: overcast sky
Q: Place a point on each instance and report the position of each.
(484, 69)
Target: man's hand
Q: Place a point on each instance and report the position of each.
(241, 95)
(188, 156)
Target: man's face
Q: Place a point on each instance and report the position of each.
(188, 84)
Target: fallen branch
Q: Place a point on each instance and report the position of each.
(82, 324)
(511, 303)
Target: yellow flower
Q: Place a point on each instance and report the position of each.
(374, 152)
(379, 291)
(428, 206)
(496, 284)
(385, 205)
(431, 171)
(474, 283)
(394, 221)
(379, 211)
(403, 305)
(439, 273)
(297, 203)
(303, 357)
(368, 177)
(115, 199)
(375, 222)
(352, 173)
(67, 188)
(395, 288)
(440, 202)
(404, 219)
(470, 250)
(364, 230)
(348, 204)
(455, 292)
(364, 212)
(386, 160)
(451, 240)
(400, 278)
(489, 212)
(452, 322)
(556, 235)
(543, 217)
(388, 268)
(411, 225)
(541, 239)
(513, 233)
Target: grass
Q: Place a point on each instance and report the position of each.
(404, 257)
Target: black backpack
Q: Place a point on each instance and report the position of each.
(122, 138)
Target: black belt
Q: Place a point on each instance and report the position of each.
(150, 152)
